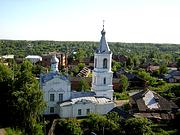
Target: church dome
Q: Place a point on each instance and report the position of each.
(54, 59)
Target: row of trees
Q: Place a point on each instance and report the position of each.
(21, 99)
(138, 52)
(110, 124)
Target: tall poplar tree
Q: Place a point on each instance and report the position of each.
(28, 99)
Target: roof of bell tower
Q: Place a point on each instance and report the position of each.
(103, 45)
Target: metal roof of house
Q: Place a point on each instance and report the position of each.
(8, 56)
(152, 101)
(34, 58)
(84, 100)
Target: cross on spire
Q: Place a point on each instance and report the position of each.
(103, 23)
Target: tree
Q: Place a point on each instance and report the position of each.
(138, 126)
(100, 125)
(83, 85)
(68, 127)
(130, 63)
(76, 70)
(81, 66)
(6, 79)
(115, 65)
(79, 56)
(20, 98)
(167, 58)
(163, 69)
(124, 83)
(178, 63)
(147, 77)
(28, 99)
(114, 117)
(136, 61)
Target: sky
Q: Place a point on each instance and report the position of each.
(142, 21)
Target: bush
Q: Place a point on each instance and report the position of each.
(121, 96)
(12, 131)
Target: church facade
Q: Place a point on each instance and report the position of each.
(66, 103)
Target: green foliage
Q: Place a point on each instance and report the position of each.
(109, 124)
(5, 73)
(100, 124)
(164, 87)
(130, 63)
(163, 69)
(146, 76)
(84, 85)
(115, 65)
(6, 84)
(22, 100)
(121, 96)
(68, 127)
(126, 107)
(145, 52)
(28, 98)
(172, 93)
(11, 131)
(114, 117)
(76, 70)
(136, 60)
(124, 83)
(160, 129)
(138, 126)
(79, 56)
(178, 62)
(161, 132)
(167, 58)
(81, 66)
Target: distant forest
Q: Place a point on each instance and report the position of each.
(22, 48)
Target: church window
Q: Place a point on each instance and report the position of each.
(79, 111)
(104, 80)
(87, 111)
(51, 109)
(95, 63)
(105, 63)
(51, 97)
(60, 97)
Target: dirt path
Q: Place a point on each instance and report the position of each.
(2, 131)
(121, 102)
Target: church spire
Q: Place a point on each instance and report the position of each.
(103, 46)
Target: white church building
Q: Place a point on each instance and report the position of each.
(66, 103)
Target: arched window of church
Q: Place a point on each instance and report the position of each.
(105, 63)
(95, 62)
(104, 80)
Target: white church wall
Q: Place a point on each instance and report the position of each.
(83, 108)
(66, 112)
(56, 86)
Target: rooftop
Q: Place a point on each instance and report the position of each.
(85, 100)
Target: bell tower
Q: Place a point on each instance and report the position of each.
(102, 74)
